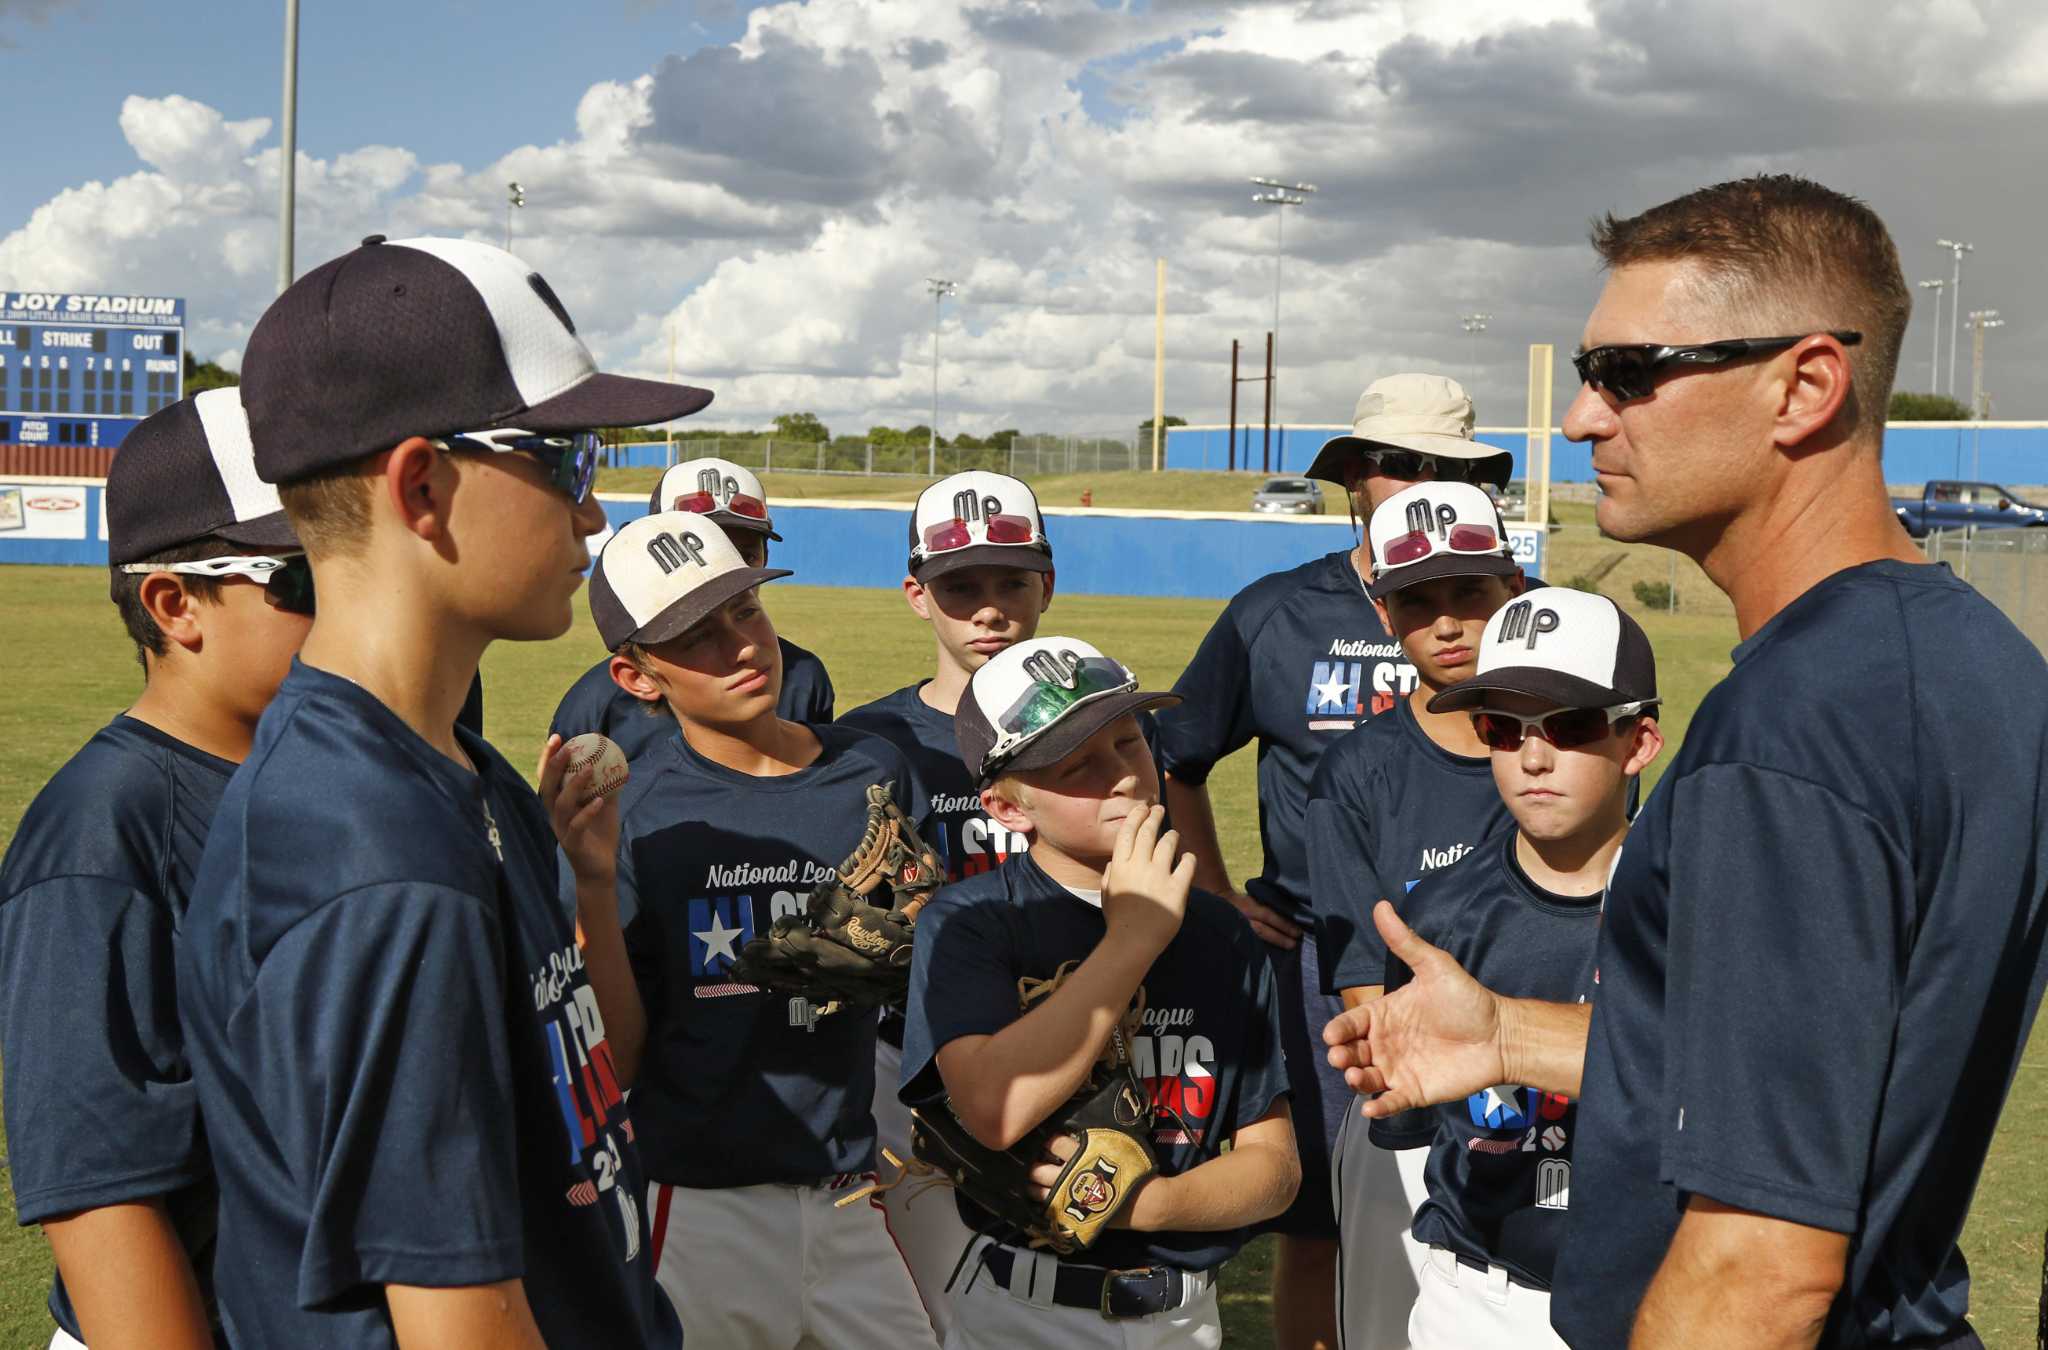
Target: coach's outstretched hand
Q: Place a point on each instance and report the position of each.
(1435, 1039)
(586, 824)
(1145, 887)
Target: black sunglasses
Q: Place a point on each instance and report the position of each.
(571, 460)
(1415, 467)
(1629, 371)
(291, 586)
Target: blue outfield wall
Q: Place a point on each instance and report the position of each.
(2003, 452)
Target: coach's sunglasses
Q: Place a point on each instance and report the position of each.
(571, 460)
(1567, 730)
(1412, 466)
(1629, 370)
(289, 579)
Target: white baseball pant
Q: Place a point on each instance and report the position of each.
(1376, 1192)
(990, 1316)
(1460, 1307)
(923, 1219)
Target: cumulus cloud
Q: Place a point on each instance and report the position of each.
(772, 207)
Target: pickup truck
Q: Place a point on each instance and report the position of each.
(1950, 505)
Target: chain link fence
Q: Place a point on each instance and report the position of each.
(2008, 567)
(1025, 456)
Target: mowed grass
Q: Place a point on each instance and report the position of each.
(67, 670)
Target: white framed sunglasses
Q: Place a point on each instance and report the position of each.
(290, 578)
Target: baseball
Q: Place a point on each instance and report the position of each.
(591, 748)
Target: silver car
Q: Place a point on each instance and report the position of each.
(1289, 497)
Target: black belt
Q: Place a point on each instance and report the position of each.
(1116, 1294)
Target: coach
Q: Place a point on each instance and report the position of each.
(1822, 946)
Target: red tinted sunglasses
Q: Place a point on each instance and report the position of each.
(947, 535)
(704, 504)
(1418, 544)
(1567, 730)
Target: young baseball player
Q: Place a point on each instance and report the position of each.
(755, 1110)
(1048, 729)
(103, 1131)
(731, 495)
(410, 1068)
(1297, 659)
(1565, 700)
(981, 574)
(1406, 793)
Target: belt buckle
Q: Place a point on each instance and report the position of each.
(1111, 1282)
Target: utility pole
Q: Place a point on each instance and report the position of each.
(1980, 319)
(1231, 462)
(940, 289)
(1280, 196)
(288, 157)
(1934, 361)
(1955, 304)
(1159, 367)
(515, 198)
(1266, 454)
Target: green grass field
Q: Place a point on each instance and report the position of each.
(68, 671)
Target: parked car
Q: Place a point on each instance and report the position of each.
(1289, 497)
(1948, 504)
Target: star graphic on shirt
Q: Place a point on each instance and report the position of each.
(1330, 693)
(718, 939)
(1506, 1101)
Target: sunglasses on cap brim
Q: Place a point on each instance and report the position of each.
(289, 579)
(705, 503)
(1629, 370)
(1041, 706)
(948, 536)
(1416, 545)
(570, 459)
(1566, 729)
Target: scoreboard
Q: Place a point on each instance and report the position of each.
(84, 369)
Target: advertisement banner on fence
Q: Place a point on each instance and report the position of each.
(37, 511)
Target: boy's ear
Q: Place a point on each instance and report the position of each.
(172, 608)
(1005, 812)
(419, 481)
(1517, 583)
(634, 680)
(1647, 743)
(1379, 607)
(919, 599)
(1045, 601)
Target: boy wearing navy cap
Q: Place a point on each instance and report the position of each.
(754, 1109)
(1049, 731)
(1406, 793)
(1565, 700)
(730, 494)
(410, 1064)
(981, 574)
(103, 1130)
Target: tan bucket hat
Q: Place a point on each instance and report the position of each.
(1429, 414)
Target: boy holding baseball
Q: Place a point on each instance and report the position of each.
(731, 495)
(753, 1107)
(1048, 730)
(103, 1131)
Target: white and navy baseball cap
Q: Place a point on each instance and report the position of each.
(1428, 414)
(426, 337)
(1034, 702)
(1435, 530)
(1572, 648)
(187, 472)
(729, 493)
(977, 519)
(662, 573)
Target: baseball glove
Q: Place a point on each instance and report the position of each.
(851, 945)
(1109, 1117)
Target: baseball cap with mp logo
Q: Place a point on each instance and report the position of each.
(1572, 648)
(977, 519)
(664, 572)
(426, 337)
(1436, 530)
(1034, 703)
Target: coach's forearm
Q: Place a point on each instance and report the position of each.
(611, 975)
(1254, 1181)
(1543, 1045)
(1188, 806)
(1733, 1278)
(129, 1279)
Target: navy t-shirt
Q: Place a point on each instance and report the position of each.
(402, 1067)
(1210, 1047)
(101, 1109)
(1822, 953)
(596, 703)
(1500, 1162)
(967, 840)
(1297, 659)
(740, 1086)
(1387, 807)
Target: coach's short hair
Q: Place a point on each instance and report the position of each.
(1792, 255)
(125, 590)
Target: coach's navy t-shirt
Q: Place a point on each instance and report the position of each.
(740, 1086)
(596, 703)
(1209, 1049)
(1387, 807)
(101, 1109)
(1822, 953)
(1500, 1162)
(402, 1068)
(1297, 659)
(968, 841)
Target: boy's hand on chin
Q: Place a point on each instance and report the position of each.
(1145, 887)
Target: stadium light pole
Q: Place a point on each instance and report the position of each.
(1473, 324)
(1980, 319)
(1955, 304)
(940, 289)
(1934, 361)
(1279, 196)
(515, 199)
(288, 158)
